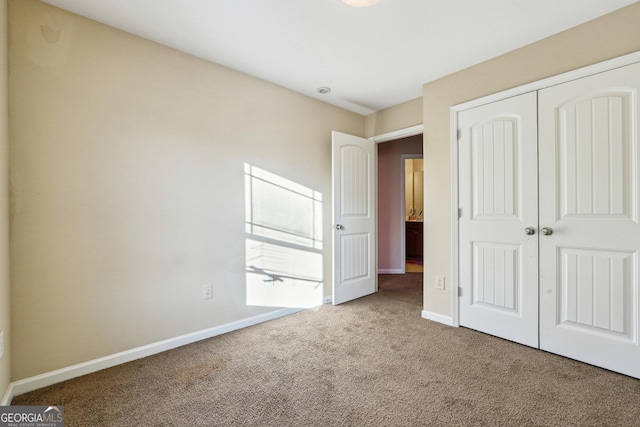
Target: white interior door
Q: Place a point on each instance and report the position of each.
(354, 220)
(498, 200)
(589, 200)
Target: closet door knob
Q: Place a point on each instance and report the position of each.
(546, 231)
(529, 231)
(339, 227)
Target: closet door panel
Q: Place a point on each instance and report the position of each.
(498, 199)
(588, 148)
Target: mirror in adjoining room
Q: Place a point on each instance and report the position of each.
(414, 189)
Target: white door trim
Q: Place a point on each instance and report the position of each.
(455, 279)
(530, 87)
(397, 134)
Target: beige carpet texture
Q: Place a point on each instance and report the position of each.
(370, 362)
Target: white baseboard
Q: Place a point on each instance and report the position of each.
(447, 320)
(8, 396)
(390, 271)
(48, 378)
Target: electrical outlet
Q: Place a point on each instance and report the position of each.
(1, 344)
(207, 292)
(440, 283)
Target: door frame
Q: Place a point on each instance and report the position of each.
(389, 137)
(454, 136)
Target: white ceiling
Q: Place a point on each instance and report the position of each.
(371, 58)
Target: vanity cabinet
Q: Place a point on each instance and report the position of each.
(414, 239)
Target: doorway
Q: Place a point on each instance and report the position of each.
(353, 158)
(398, 213)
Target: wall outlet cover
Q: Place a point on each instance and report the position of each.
(207, 292)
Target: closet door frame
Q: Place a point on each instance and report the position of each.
(454, 135)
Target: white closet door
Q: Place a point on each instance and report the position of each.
(498, 200)
(589, 200)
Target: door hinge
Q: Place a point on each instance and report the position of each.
(459, 291)
(459, 212)
(459, 134)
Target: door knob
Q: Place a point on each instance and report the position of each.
(546, 231)
(529, 231)
(339, 227)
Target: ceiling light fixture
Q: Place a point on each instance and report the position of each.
(360, 3)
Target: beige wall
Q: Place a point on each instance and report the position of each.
(127, 163)
(610, 36)
(394, 118)
(390, 211)
(5, 315)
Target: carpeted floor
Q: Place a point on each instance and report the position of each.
(405, 287)
(370, 362)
